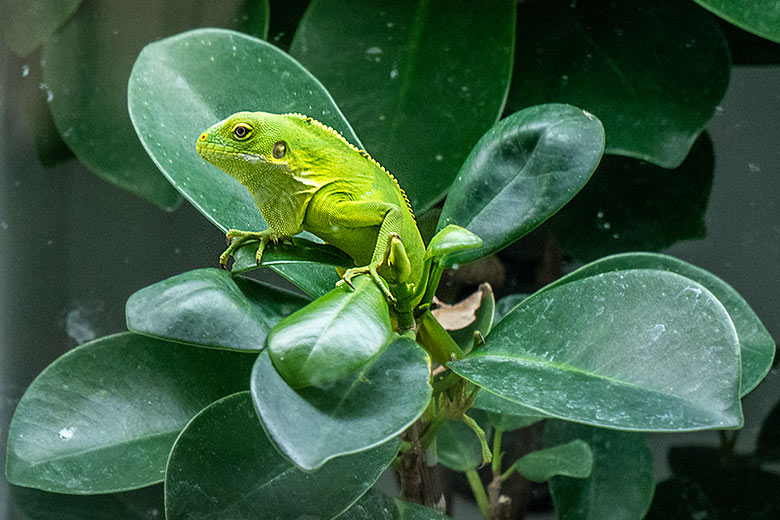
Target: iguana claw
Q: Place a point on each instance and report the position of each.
(346, 278)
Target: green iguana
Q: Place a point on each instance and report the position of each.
(304, 175)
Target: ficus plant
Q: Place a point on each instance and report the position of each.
(193, 395)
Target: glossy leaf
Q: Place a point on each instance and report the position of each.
(573, 459)
(28, 24)
(761, 17)
(87, 64)
(521, 172)
(103, 417)
(635, 350)
(210, 308)
(332, 336)
(457, 446)
(176, 85)
(224, 466)
(314, 260)
(141, 504)
(376, 506)
(505, 414)
(631, 205)
(410, 78)
(757, 348)
(620, 486)
(364, 409)
(301, 250)
(652, 72)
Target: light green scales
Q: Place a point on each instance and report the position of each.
(304, 175)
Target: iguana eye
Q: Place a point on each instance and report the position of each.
(242, 131)
(280, 148)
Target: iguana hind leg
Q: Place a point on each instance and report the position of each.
(394, 264)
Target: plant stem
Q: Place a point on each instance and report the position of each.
(496, 466)
(480, 495)
(419, 478)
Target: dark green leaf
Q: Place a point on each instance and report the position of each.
(620, 487)
(521, 172)
(86, 66)
(28, 24)
(761, 17)
(224, 466)
(652, 72)
(141, 504)
(210, 308)
(332, 336)
(457, 446)
(631, 205)
(301, 250)
(635, 350)
(757, 349)
(364, 409)
(505, 414)
(315, 259)
(176, 85)
(573, 459)
(376, 506)
(421, 87)
(103, 417)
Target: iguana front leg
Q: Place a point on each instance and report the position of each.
(237, 238)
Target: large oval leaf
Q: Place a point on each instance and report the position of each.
(224, 466)
(652, 72)
(362, 410)
(103, 417)
(520, 173)
(210, 308)
(621, 484)
(757, 348)
(761, 17)
(86, 65)
(634, 350)
(181, 85)
(420, 81)
(332, 336)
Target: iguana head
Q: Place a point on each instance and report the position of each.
(247, 143)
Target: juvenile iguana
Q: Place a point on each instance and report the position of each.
(304, 175)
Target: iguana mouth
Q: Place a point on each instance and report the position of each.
(209, 150)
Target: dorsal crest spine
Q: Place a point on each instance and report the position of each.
(363, 153)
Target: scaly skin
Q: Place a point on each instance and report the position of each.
(304, 175)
